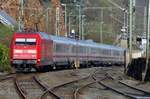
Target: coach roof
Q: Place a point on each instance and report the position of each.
(64, 40)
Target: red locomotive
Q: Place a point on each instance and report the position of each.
(42, 51)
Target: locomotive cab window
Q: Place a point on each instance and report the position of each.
(25, 41)
(30, 41)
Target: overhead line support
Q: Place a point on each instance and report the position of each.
(147, 42)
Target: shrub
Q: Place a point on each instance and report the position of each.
(4, 58)
(5, 34)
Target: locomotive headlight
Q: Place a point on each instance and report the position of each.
(18, 51)
(32, 51)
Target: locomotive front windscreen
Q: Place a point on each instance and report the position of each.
(25, 42)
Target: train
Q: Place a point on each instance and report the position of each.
(43, 52)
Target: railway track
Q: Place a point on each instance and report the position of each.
(7, 76)
(71, 88)
(29, 87)
(122, 88)
(19, 89)
(32, 88)
(7, 87)
(79, 90)
(46, 90)
(74, 88)
(56, 89)
(79, 85)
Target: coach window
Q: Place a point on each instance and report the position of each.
(92, 50)
(109, 52)
(70, 48)
(116, 53)
(58, 47)
(79, 49)
(62, 48)
(74, 49)
(54, 47)
(86, 50)
(104, 51)
(83, 49)
(89, 50)
(100, 51)
(97, 51)
(66, 48)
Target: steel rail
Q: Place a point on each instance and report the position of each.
(78, 90)
(100, 82)
(115, 90)
(146, 92)
(47, 90)
(19, 89)
(61, 85)
(74, 81)
(71, 82)
(7, 77)
(136, 96)
(127, 85)
(50, 90)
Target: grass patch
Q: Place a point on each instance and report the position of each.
(5, 35)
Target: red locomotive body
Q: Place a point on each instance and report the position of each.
(29, 50)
